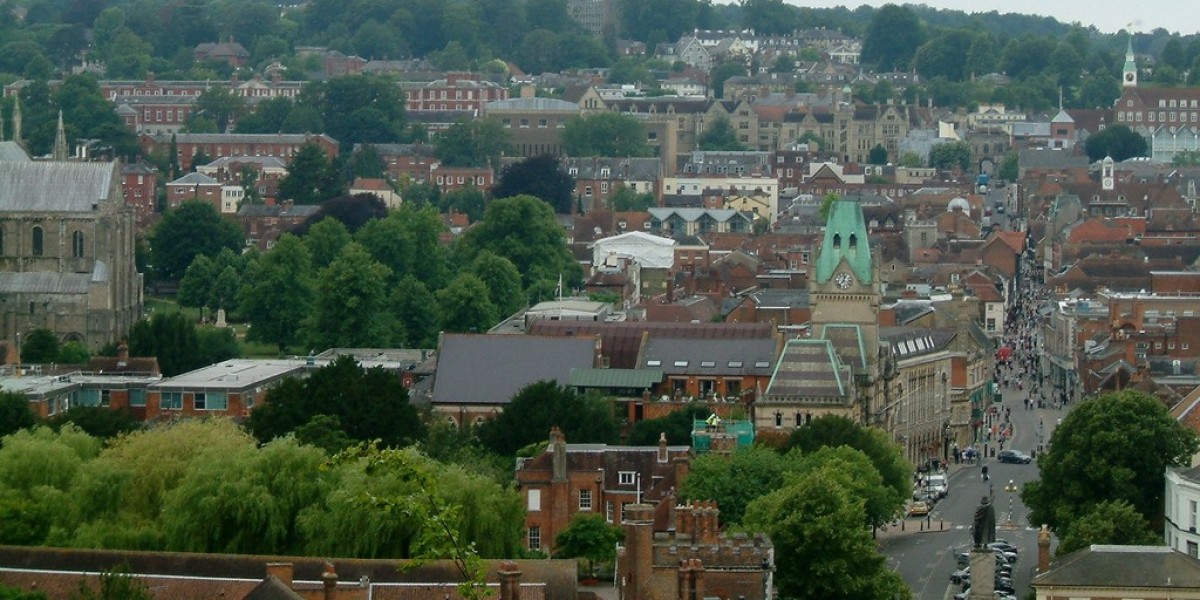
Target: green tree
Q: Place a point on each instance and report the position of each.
(192, 229)
(465, 305)
(911, 160)
(591, 537)
(503, 282)
(220, 105)
(311, 177)
(1009, 167)
(892, 38)
(473, 143)
(881, 503)
(417, 309)
(942, 56)
(100, 422)
(325, 241)
(176, 341)
(1109, 522)
(769, 17)
(1174, 55)
(279, 293)
(831, 431)
(677, 426)
(722, 72)
(370, 404)
(40, 346)
(624, 198)
(74, 353)
(15, 413)
(1117, 141)
(735, 481)
(117, 584)
(815, 524)
(950, 156)
(523, 230)
(356, 109)
(541, 177)
(350, 308)
(1115, 447)
(719, 135)
(604, 134)
(878, 155)
(537, 408)
(1186, 158)
(468, 201)
(367, 162)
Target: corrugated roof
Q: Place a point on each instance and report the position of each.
(44, 283)
(615, 378)
(11, 151)
(54, 186)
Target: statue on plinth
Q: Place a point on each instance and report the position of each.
(984, 530)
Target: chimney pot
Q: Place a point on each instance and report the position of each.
(281, 571)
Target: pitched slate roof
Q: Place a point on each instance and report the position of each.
(621, 341)
(54, 186)
(36, 282)
(709, 357)
(491, 369)
(272, 588)
(1100, 566)
(847, 340)
(809, 368)
(11, 151)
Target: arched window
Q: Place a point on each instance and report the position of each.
(37, 240)
(77, 244)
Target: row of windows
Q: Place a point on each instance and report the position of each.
(173, 116)
(523, 123)
(1161, 117)
(37, 242)
(200, 401)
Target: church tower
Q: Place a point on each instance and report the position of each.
(1129, 73)
(844, 288)
(60, 140)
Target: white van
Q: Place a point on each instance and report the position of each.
(936, 486)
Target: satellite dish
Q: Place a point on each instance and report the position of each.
(597, 230)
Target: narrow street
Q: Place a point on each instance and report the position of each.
(926, 558)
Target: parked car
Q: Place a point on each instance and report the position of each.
(1005, 546)
(936, 485)
(1011, 557)
(919, 508)
(1014, 456)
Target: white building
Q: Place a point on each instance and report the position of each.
(1183, 505)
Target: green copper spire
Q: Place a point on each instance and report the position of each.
(845, 238)
(1130, 69)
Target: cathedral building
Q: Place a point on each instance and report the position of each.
(66, 252)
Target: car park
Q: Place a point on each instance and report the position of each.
(1011, 557)
(1014, 456)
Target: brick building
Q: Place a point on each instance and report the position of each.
(262, 224)
(217, 145)
(228, 389)
(457, 91)
(679, 553)
(139, 183)
(570, 479)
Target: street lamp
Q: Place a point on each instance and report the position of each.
(1011, 488)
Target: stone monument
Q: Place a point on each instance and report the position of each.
(983, 559)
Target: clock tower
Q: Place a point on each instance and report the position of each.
(844, 287)
(1129, 73)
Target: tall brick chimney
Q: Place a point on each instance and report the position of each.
(1043, 563)
(510, 581)
(662, 447)
(638, 567)
(281, 571)
(329, 578)
(558, 445)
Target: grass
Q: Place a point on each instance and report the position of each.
(159, 304)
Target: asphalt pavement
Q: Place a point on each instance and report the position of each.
(924, 556)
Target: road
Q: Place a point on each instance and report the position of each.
(925, 560)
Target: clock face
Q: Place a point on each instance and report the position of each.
(843, 280)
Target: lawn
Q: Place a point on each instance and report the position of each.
(158, 304)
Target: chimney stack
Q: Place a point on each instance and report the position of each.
(510, 581)
(281, 571)
(123, 359)
(662, 447)
(1043, 542)
(558, 445)
(329, 578)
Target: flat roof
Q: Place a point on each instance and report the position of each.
(233, 374)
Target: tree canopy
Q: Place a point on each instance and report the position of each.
(604, 134)
(541, 177)
(192, 229)
(832, 431)
(369, 404)
(816, 524)
(473, 143)
(1117, 141)
(522, 229)
(719, 135)
(537, 408)
(1113, 447)
(589, 536)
